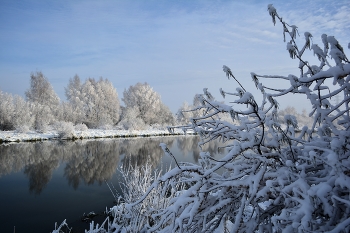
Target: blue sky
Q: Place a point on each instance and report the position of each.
(178, 47)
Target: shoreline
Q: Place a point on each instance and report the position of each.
(32, 136)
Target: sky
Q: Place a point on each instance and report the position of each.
(177, 47)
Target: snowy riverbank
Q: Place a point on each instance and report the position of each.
(13, 136)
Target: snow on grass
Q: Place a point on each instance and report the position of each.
(13, 136)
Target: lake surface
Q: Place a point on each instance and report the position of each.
(46, 182)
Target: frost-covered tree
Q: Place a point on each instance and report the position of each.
(95, 102)
(15, 113)
(108, 102)
(45, 101)
(101, 103)
(143, 99)
(75, 101)
(165, 116)
(41, 91)
(22, 117)
(6, 111)
(271, 179)
(73, 89)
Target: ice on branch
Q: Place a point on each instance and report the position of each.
(272, 12)
(292, 50)
(227, 71)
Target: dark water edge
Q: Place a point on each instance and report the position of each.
(46, 182)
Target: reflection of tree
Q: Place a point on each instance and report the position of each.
(140, 151)
(10, 159)
(92, 161)
(86, 160)
(40, 174)
(43, 160)
(189, 144)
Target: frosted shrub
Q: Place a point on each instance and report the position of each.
(81, 127)
(133, 124)
(65, 129)
(22, 128)
(131, 121)
(63, 227)
(271, 180)
(136, 182)
(126, 217)
(105, 126)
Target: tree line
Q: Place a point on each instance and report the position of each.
(90, 104)
(95, 104)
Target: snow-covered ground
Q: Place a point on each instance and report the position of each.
(13, 136)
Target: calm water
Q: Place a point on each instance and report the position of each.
(46, 182)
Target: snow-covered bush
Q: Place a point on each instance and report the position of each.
(271, 180)
(136, 182)
(81, 127)
(130, 120)
(64, 129)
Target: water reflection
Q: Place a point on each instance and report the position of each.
(92, 161)
(40, 174)
(88, 161)
(189, 145)
(139, 151)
